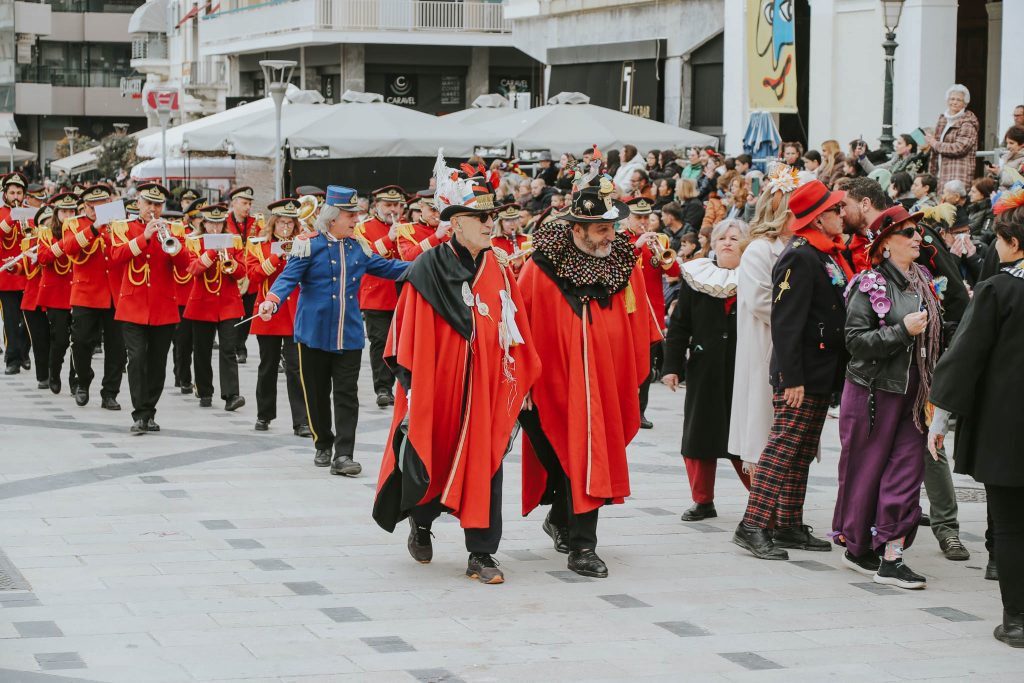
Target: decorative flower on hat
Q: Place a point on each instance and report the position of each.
(783, 179)
(1010, 199)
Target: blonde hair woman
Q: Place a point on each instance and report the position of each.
(752, 410)
(831, 162)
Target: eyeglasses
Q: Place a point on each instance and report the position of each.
(838, 208)
(906, 232)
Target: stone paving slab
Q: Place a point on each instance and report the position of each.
(211, 552)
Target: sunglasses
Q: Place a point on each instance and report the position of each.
(906, 232)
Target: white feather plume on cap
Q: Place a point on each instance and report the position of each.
(450, 189)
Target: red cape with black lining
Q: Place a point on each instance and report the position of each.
(449, 436)
(587, 400)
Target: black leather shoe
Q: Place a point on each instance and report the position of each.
(759, 542)
(700, 511)
(139, 428)
(45, 385)
(303, 431)
(205, 402)
(385, 399)
(1011, 631)
(81, 397)
(925, 521)
(587, 563)
(186, 388)
(800, 538)
(110, 404)
(234, 403)
(484, 569)
(559, 535)
(152, 426)
(26, 365)
(645, 423)
(419, 544)
(262, 425)
(54, 385)
(991, 572)
(345, 465)
(12, 369)
(242, 356)
(322, 458)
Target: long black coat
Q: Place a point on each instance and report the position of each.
(979, 379)
(701, 347)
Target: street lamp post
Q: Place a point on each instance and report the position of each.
(163, 113)
(121, 128)
(12, 136)
(277, 73)
(891, 9)
(70, 132)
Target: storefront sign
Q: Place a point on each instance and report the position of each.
(303, 153)
(490, 152)
(451, 91)
(531, 155)
(401, 89)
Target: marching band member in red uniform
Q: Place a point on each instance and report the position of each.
(181, 348)
(241, 222)
(95, 287)
(55, 285)
(214, 307)
(425, 232)
(656, 262)
(378, 296)
(510, 238)
(146, 306)
(12, 284)
(263, 264)
(36, 324)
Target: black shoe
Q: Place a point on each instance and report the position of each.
(759, 542)
(799, 538)
(419, 544)
(26, 365)
(484, 569)
(43, 385)
(186, 388)
(645, 423)
(991, 572)
(1011, 631)
(897, 573)
(587, 563)
(954, 549)
(345, 465)
(205, 402)
(139, 428)
(81, 397)
(262, 425)
(322, 458)
(385, 399)
(12, 369)
(303, 431)
(109, 404)
(241, 355)
(234, 403)
(925, 521)
(559, 535)
(54, 385)
(152, 426)
(73, 388)
(866, 564)
(700, 511)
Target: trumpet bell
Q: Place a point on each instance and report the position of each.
(171, 246)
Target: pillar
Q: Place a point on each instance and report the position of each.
(478, 75)
(992, 72)
(925, 62)
(735, 100)
(673, 103)
(353, 68)
(1011, 84)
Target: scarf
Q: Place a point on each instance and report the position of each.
(927, 345)
(827, 245)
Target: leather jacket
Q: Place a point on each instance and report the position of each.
(881, 356)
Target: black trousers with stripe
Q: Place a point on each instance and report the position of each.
(60, 338)
(38, 328)
(15, 338)
(272, 348)
(331, 379)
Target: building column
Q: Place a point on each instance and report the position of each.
(353, 68)
(673, 103)
(925, 62)
(1011, 85)
(820, 123)
(992, 74)
(735, 98)
(478, 75)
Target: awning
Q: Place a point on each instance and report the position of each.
(204, 168)
(149, 18)
(83, 162)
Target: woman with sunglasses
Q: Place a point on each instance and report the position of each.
(893, 334)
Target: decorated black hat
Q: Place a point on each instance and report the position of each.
(188, 195)
(64, 200)
(132, 206)
(510, 212)
(310, 189)
(241, 192)
(593, 205)
(389, 193)
(194, 207)
(640, 206)
(36, 191)
(215, 213)
(15, 178)
(44, 213)
(286, 208)
(96, 193)
(153, 192)
(78, 188)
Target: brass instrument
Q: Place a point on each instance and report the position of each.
(10, 263)
(228, 266)
(661, 257)
(308, 206)
(168, 242)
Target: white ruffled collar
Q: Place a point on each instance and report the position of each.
(704, 276)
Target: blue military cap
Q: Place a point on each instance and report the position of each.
(342, 197)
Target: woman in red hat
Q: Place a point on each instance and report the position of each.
(893, 333)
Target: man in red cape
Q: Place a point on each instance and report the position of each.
(587, 305)
(461, 338)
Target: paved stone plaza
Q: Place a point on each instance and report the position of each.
(211, 552)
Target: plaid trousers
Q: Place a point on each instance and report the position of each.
(780, 480)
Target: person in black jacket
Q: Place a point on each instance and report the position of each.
(808, 318)
(977, 379)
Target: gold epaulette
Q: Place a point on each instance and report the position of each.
(45, 235)
(238, 243)
(119, 232)
(26, 243)
(367, 249)
(72, 224)
(406, 230)
(177, 229)
(255, 248)
(194, 243)
(360, 230)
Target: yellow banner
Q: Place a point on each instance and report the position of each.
(771, 57)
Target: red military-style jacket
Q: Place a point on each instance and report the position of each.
(11, 234)
(95, 280)
(375, 293)
(653, 274)
(511, 246)
(263, 267)
(215, 295)
(147, 290)
(415, 238)
(182, 277)
(247, 229)
(55, 285)
(33, 276)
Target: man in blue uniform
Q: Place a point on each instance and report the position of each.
(328, 268)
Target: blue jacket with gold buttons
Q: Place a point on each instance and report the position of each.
(327, 272)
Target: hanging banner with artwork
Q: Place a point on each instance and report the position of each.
(771, 55)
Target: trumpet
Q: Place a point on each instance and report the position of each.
(168, 242)
(227, 265)
(661, 257)
(308, 205)
(10, 263)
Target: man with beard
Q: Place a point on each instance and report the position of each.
(425, 232)
(461, 334)
(378, 296)
(587, 305)
(12, 283)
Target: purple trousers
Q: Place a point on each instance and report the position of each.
(880, 469)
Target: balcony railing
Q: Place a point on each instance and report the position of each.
(71, 77)
(99, 6)
(153, 46)
(205, 73)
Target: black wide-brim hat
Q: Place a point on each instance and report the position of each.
(591, 205)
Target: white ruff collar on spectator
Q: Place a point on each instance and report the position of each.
(707, 278)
